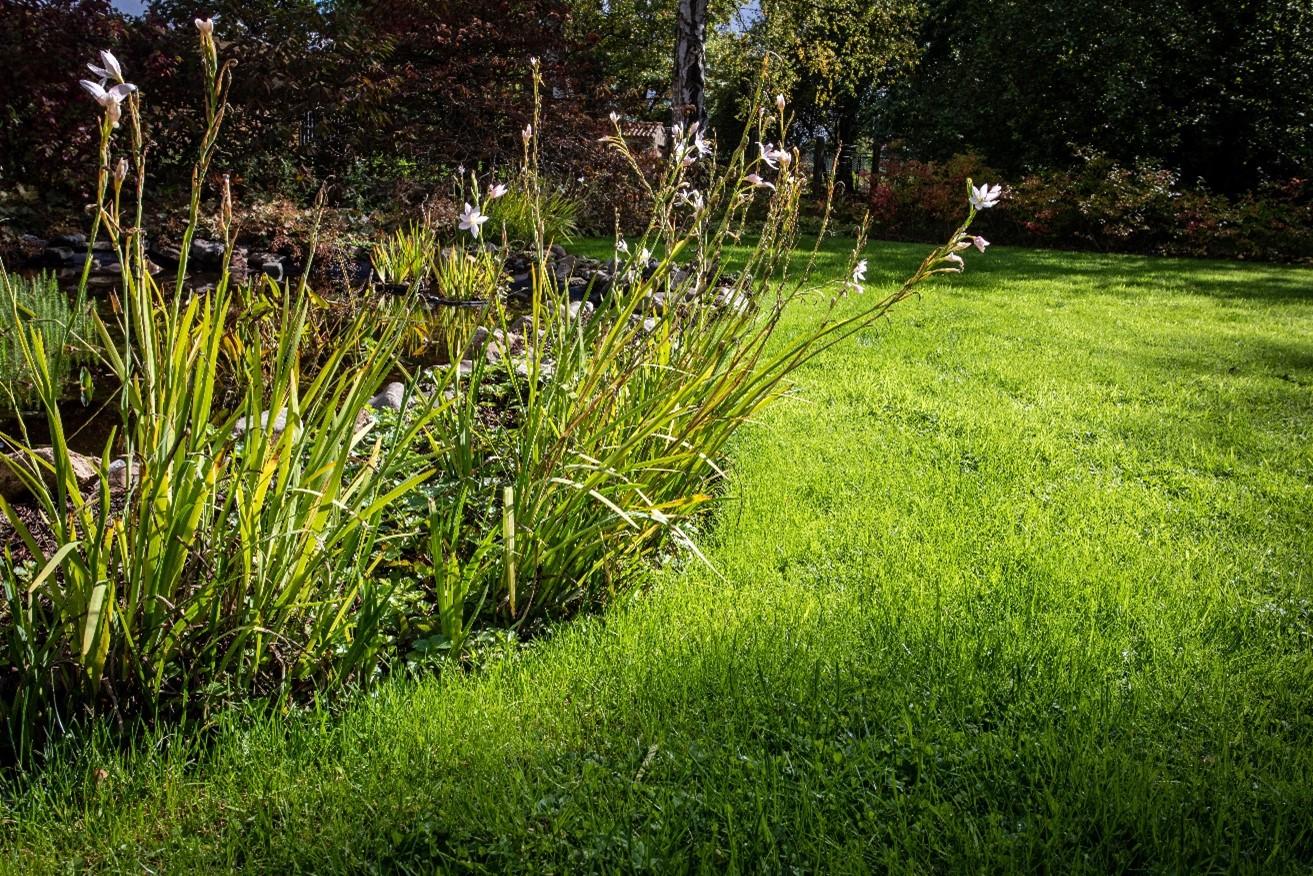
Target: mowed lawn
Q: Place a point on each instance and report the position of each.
(1022, 579)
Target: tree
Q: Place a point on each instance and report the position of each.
(688, 96)
(837, 58)
(1217, 89)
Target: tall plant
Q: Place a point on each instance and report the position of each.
(221, 547)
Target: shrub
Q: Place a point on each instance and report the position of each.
(1102, 205)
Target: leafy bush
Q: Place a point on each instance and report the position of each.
(1102, 205)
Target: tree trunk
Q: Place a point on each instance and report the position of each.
(846, 133)
(687, 99)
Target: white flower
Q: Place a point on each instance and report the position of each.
(580, 180)
(621, 246)
(496, 191)
(645, 255)
(471, 220)
(693, 198)
(112, 99)
(774, 157)
(109, 68)
(758, 182)
(701, 145)
(985, 196)
(955, 260)
(980, 243)
(615, 117)
(677, 131)
(205, 26)
(859, 272)
(527, 134)
(121, 171)
(534, 61)
(779, 102)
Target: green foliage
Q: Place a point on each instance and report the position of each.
(403, 259)
(518, 212)
(37, 303)
(1028, 533)
(1214, 91)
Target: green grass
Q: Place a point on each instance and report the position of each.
(1019, 580)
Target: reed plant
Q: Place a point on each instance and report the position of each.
(621, 419)
(250, 532)
(220, 550)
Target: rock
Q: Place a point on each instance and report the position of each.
(279, 424)
(523, 325)
(86, 470)
(269, 264)
(54, 257)
(76, 241)
(390, 398)
(167, 255)
(364, 419)
(581, 310)
(117, 474)
(206, 254)
(545, 370)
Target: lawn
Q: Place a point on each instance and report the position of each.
(1019, 580)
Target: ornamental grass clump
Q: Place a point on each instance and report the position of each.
(218, 550)
(265, 522)
(624, 401)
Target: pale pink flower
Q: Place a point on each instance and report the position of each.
(980, 242)
(111, 99)
(109, 68)
(472, 220)
(496, 191)
(205, 26)
(700, 144)
(758, 182)
(985, 196)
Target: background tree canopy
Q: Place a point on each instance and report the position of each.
(1216, 89)
(1211, 93)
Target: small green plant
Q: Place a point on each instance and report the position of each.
(67, 331)
(459, 275)
(517, 213)
(403, 258)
